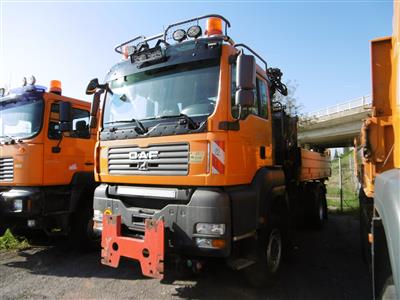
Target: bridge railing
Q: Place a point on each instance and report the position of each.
(364, 101)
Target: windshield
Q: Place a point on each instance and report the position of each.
(21, 117)
(189, 89)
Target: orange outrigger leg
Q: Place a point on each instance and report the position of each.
(149, 251)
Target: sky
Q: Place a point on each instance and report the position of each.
(321, 47)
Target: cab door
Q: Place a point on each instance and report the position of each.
(69, 152)
(252, 143)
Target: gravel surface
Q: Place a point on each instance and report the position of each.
(327, 264)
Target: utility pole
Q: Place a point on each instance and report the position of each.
(340, 184)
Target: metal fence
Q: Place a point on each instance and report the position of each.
(361, 102)
(343, 185)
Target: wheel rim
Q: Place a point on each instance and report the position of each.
(274, 250)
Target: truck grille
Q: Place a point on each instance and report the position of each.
(164, 159)
(6, 169)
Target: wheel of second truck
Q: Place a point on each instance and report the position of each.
(268, 258)
(2, 230)
(82, 235)
(365, 218)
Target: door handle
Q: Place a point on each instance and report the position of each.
(262, 152)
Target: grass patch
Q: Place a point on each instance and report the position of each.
(349, 185)
(8, 242)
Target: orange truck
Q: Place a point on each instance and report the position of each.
(379, 171)
(46, 162)
(193, 157)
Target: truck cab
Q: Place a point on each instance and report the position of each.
(379, 167)
(186, 158)
(46, 161)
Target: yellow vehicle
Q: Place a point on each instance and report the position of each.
(379, 173)
(194, 159)
(46, 162)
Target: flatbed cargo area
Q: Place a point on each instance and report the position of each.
(314, 165)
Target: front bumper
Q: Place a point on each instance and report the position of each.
(179, 217)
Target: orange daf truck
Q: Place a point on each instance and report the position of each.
(379, 171)
(46, 162)
(193, 157)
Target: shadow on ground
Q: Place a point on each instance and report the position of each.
(326, 265)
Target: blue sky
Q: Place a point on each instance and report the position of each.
(322, 46)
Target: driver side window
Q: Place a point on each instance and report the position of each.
(80, 123)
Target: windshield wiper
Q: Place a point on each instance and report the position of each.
(186, 117)
(139, 124)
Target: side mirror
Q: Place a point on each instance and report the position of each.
(92, 86)
(65, 116)
(94, 108)
(245, 80)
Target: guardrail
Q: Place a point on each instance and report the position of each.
(364, 101)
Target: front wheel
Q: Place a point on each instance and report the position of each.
(2, 230)
(82, 235)
(268, 258)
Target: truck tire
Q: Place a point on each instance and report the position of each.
(2, 230)
(269, 252)
(317, 206)
(365, 218)
(82, 236)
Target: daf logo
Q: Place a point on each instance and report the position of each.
(142, 166)
(143, 155)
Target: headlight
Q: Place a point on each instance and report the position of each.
(18, 205)
(212, 229)
(210, 243)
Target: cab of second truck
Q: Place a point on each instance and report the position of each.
(46, 162)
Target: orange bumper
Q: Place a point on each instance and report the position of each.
(149, 251)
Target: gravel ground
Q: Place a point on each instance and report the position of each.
(326, 265)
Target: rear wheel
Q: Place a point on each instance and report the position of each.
(317, 207)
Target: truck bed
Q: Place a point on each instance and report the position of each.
(314, 165)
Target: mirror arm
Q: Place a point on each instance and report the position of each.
(255, 53)
(57, 148)
(95, 108)
(107, 88)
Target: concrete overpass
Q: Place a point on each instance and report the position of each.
(334, 126)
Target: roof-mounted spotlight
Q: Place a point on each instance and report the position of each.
(23, 82)
(179, 35)
(31, 80)
(194, 31)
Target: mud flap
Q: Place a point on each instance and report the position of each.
(149, 251)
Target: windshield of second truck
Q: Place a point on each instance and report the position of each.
(189, 89)
(21, 116)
